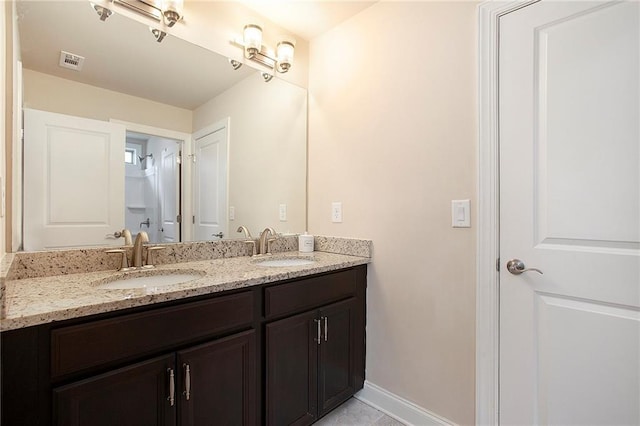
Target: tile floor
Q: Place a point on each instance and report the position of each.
(356, 413)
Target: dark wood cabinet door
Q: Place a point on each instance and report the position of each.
(136, 395)
(336, 379)
(221, 382)
(291, 370)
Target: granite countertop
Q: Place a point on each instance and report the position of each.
(34, 301)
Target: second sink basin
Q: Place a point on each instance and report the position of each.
(152, 278)
(293, 261)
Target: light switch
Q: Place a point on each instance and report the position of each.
(282, 211)
(232, 213)
(460, 214)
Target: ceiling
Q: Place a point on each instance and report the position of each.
(305, 18)
(121, 54)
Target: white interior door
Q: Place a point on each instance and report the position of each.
(210, 183)
(570, 206)
(73, 181)
(170, 194)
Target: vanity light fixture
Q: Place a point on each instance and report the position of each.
(254, 49)
(172, 11)
(167, 11)
(284, 55)
(102, 11)
(252, 38)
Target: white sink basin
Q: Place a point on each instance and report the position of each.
(294, 261)
(150, 279)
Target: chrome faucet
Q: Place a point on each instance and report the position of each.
(136, 258)
(265, 240)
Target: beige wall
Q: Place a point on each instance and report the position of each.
(392, 135)
(48, 93)
(267, 151)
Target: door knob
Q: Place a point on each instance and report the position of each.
(219, 235)
(516, 267)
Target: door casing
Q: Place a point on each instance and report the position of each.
(488, 250)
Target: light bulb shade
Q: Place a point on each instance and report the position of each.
(284, 55)
(172, 10)
(252, 37)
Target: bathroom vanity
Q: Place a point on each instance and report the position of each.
(280, 350)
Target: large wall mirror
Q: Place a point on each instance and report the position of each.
(206, 148)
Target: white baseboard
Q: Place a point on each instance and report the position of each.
(399, 408)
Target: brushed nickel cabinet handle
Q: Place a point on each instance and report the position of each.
(319, 331)
(187, 381)
(326, 328)
(172, 387)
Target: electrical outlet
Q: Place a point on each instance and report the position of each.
(232, 213)
(336, 212)
(283, 212)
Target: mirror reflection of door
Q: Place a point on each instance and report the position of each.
(152, 189)
(210, 182)
(73, 181)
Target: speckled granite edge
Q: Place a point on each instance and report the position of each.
(340, 245)
(5, 266)
(26, 265)
(48, 299)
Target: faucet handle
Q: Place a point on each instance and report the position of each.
(269, 241)
(253, 244)
(124, 265)
(150, 250)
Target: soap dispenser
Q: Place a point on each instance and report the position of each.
(305, 243)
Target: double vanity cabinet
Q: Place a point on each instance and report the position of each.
(283, 353)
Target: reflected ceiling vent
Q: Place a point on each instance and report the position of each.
(71, 61)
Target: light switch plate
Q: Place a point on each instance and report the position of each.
(232, 213)
(460, 214)
(282, 212)
(336, 212)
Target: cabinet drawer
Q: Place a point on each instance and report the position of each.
(308, 293)
(84, 346)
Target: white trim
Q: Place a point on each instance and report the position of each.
(487, 282)
(399, 408)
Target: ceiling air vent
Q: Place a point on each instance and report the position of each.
(71, 61)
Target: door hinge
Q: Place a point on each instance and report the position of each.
(193, 157)
(179, 218)
(498, 264)
(193, 220)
